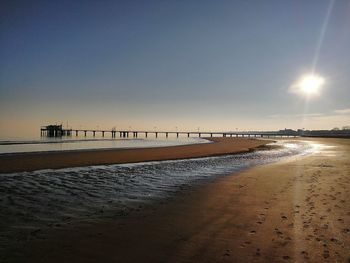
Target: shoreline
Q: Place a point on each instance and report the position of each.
(296, 210)
(20, 162)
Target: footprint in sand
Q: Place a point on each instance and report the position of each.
(246, 243)
(325, 254)
(227, 253)
(257, 252)
(305, 254)
(279, 233)
(338, 242)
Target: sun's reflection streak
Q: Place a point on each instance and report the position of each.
(317, 55)
(316, 148)
(300, 244)
(322, 35)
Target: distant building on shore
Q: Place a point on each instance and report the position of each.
(54, 131)
(325, 133)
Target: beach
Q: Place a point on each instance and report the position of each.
(54, 160)
(295, 210)
(175, 131)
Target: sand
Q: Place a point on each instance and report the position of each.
(297, 210)
(55, 160)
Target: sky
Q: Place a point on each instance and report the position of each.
(208, 65)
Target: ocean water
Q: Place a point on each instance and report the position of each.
(8, 146)
(34, 201)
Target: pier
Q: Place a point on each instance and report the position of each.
(54, 131)
(58, 131)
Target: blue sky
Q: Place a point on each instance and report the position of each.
(218, 65)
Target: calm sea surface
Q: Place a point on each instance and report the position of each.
(31, 202)
(76, 143)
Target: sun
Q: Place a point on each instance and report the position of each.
(311, 84)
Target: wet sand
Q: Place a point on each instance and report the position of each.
(296, 210)
(54, 160)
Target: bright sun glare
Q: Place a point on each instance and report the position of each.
(311, 84)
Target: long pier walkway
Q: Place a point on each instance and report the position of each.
(57, 131)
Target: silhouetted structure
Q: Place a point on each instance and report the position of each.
(57, 131)
(54, 131)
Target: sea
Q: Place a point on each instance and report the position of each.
(31, 202)
(45, 144)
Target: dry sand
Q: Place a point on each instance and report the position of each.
(35, 161)
(291, 211)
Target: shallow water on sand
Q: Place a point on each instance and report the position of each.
(33, 201)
